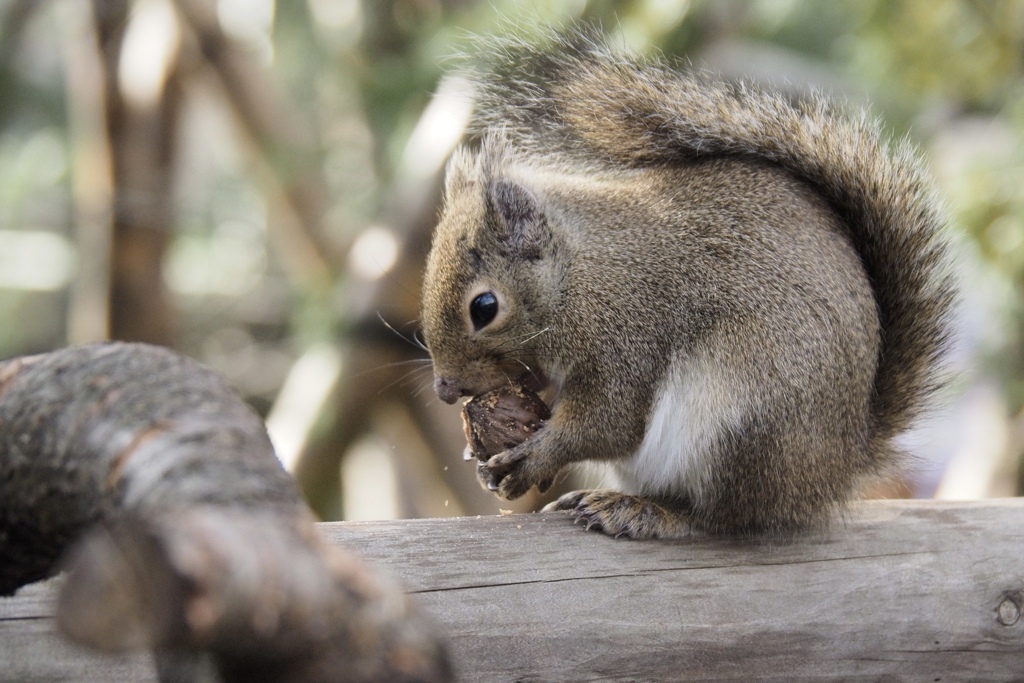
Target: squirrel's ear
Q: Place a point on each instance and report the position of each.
(458, 172)
(520, 221)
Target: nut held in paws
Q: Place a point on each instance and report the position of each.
(501, 419)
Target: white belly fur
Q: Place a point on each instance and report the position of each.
(691, 409)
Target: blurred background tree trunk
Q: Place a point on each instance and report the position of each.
(141, 132)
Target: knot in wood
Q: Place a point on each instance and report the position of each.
(1008, 612)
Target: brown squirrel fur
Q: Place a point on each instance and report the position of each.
(737, 301)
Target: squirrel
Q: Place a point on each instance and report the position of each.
(736, 299)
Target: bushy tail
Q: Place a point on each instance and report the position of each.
(574, 99)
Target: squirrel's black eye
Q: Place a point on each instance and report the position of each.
(483, 309)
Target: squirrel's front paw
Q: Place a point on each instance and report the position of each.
(512, 473)
(618, 514)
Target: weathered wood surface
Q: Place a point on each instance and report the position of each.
(899, 591)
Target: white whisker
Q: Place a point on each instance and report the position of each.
(534, 335)
(412, 342)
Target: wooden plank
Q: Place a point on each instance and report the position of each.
(31, 651)
(899, 590)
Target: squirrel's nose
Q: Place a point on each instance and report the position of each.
(447, 390)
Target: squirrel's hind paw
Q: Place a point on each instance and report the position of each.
(619, 514)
